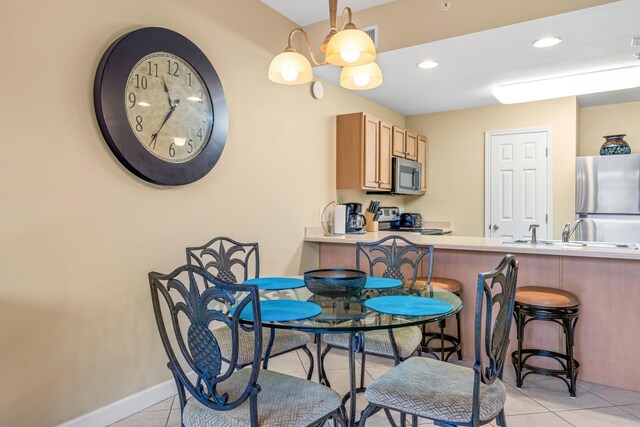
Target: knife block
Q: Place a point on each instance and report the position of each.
(371, 224)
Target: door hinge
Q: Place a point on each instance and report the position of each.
(546, 219)
(546, 152)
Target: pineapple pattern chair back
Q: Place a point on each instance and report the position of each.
(187, 304)
(495, 300)
(392, 253)
(226, 259)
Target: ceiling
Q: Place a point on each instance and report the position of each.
(471, 65)
(307, 12)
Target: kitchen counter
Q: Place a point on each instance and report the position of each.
(606, 281)
(484, 244)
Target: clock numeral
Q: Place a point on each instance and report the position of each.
(171, 70)
(200, 134)
(139, 123)
(172, 151)
(141, 81)
(201, 96)
(190, 146)
(189, 79)
(153, 71)
(132, 99)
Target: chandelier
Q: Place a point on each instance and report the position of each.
(349, 48)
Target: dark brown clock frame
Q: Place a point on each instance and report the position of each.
(108, 94)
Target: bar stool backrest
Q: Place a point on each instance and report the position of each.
(393, 256)
(192, 300)
(227, 259)
(492, 329)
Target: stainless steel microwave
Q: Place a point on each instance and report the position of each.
(407, 176)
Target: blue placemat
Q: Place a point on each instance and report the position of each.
(408, 305)
(282, 310)
(382, 283)
(276, 283)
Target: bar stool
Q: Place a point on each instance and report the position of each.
(548, 304)
(455, 342)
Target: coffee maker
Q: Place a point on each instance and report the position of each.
(355, 220)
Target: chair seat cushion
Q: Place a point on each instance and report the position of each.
(450, 285)
(541, 296)
(435, 390)
(284, 401)
(378, 342)
(285, 340)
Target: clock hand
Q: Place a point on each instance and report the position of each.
(166, 89)
(154, 136)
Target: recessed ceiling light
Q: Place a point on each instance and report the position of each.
(429, 63)
(547, 41)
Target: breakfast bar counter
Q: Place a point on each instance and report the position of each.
(485, 244)
(606, 280)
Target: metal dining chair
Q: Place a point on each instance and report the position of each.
(235, 262)
(398, 344)
(187, 303)
(453, 395)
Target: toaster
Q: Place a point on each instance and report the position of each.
(410, 220)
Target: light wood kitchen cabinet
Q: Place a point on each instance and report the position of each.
(422, 158)
(399, 137)
(363, 152)
(384, 157)
(411, 146)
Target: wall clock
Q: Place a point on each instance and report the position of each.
(160, 106)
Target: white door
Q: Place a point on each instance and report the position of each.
(518, 183)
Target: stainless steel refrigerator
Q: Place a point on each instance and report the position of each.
(608, 198)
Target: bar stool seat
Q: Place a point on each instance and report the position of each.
(450, 285)
(553, 305)
(541, 296)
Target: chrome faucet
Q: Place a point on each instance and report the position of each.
(568, 230)
(533, 228)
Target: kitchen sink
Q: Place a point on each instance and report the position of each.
(576, 244)
(606, 245)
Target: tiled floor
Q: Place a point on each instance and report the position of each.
(541, 402)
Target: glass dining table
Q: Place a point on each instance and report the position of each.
(349, 315)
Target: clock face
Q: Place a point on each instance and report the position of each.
(168, 107)
(160, 106)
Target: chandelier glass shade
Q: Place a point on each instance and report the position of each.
(349, 48)
(362, 77)
(290, 68)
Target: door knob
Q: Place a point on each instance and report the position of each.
(495, 228)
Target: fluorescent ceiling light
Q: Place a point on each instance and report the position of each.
(429, 63)
(577, 84)
(547, 41)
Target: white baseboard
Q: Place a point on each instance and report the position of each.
(125, 407)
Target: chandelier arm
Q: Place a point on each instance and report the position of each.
(346, 11)
(309, 47)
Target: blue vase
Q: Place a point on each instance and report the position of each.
(615, 144)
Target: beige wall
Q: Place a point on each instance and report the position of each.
(79, 233)
(456, 159)
(595, 122)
